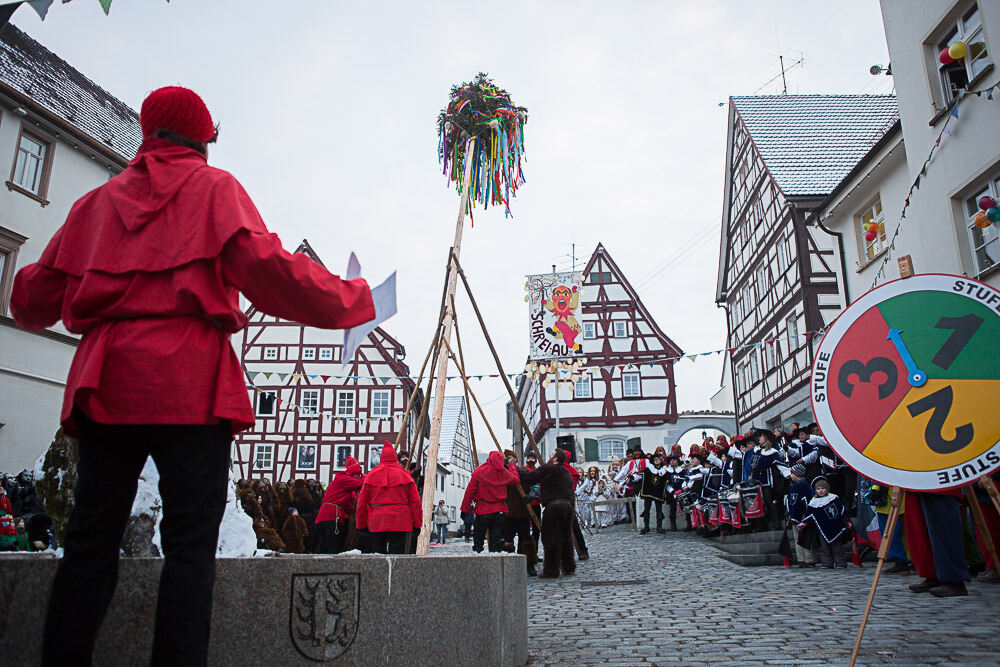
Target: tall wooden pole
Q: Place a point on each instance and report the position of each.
(895, 500)
(461, 361)
(430, 468)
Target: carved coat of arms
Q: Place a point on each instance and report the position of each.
(323, 614)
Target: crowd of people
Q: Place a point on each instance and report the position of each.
(24, 525)
(794, 482)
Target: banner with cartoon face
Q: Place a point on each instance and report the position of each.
(553, 304)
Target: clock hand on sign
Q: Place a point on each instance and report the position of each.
(937, 429)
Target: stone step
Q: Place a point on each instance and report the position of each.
(765, 536)
(750, 547)
(753, 560)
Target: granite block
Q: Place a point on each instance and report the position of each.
(302, 610)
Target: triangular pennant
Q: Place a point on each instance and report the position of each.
(954, 111)
(281, 376)
(692, 357)
(268, 375)
(916, 183)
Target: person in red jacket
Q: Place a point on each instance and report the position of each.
(488, 490)
(148, 269)
(339, 505)
(388, 506)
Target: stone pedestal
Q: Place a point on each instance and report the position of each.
(339, 610)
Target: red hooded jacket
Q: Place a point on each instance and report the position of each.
(574, 473)
(488, 486)
(341, 497)
(148, 268)
(389, 500)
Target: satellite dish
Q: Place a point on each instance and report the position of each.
(875, 70)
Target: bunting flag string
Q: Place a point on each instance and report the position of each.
(951, 120)
(322, 380)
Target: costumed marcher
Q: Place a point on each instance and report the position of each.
(148, 267)
(531, 462)
(302, 501)
(772, 484)
(585, 491)
(630, 476)
(517, 521)
(488, 490)
(335, 518)
(388, 506)
(825, 526)
(294, 532)
(843, 480)
(413, 468)
(654, 484)
(934, 538)
(803, 449)
(897, 548)
(8, 532)
(796, 508)
(267, 537)
(602, 515)
(556, 495)
(676, 477)
(578, 542)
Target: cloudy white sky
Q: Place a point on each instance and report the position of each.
(328, 113)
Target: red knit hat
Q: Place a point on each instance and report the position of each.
(176, 109)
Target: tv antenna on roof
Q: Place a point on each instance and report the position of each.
(784, 83)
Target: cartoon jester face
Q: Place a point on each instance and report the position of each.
(561, 296)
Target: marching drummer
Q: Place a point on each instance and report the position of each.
(676, 476)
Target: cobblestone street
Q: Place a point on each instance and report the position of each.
(698, 608)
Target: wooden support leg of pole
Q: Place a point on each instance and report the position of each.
(991, 488)
(417, 443)
(413, 396)
(496, 358)
(980, 520)
(895, 502)
(482, 413)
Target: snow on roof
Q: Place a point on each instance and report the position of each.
(811, 142)
(35, 72)
(454, 414)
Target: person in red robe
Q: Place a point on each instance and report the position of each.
(488, 490)
(388, 506)
(148, 269)
(338, 508)
(581, 544)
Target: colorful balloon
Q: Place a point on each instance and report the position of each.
(986, 202)
(980, 220)
(944, 58)
(958, 50)
(870, 236)
(993, 214)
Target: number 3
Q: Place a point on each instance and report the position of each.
(865, 372)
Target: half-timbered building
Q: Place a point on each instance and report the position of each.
(312, 412)
(626, 396)
(778, 277)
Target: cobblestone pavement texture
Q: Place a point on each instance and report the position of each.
(698, 608)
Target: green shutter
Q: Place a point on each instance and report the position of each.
(634, 442)
(590, 451)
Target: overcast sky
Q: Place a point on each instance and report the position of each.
(328, 112)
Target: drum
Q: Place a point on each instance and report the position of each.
(751, 499)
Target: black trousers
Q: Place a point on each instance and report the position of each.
(557, 538)
(671, 501)
(330, 537)
(647, 502)
(581, 544)
(388, 542)
(520, 528)
(193, 463)
(492, 523)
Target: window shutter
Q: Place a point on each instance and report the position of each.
(634, 442)
(590, 451)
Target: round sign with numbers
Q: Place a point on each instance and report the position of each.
(906, 382)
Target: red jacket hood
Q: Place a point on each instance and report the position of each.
(152, 180)
(493, 471)
(388, 472)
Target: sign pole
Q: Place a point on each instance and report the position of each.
(895, 500)
(991, 488)
(980, 520)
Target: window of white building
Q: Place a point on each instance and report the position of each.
(326, 354)
(31, 163)
(309, 403)
(270, 353)
(345, 403)
(792, 329)
(630, 385)
(309, 353)
(263, 456)
(342, 452)
(983, 243)
(381, 402)
(611, 448)
(581, 389)
(872, 214)
(621, 329)
(267, 404)
(590, 330)
(955, 76)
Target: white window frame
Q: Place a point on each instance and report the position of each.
(263, 451)
(608, 448)
(274, 405)
(386, 396)
(772, 354)
(622, 331)
(782, 255)
(269, 354)
(583, 388)
(873, 212)
(309, 353)
(338, 462)
(326, 354)
(631, 385)
(310, 402)
(973, 64)
(589, 330)
(792, 331)
(754, 367)
(344, 393)
(28, 172)
(988, 241)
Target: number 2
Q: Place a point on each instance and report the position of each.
(940, 404)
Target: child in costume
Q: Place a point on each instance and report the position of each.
(654, 483)
(825, 526)
(796, 508)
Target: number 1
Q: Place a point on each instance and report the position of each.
(963, 329)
